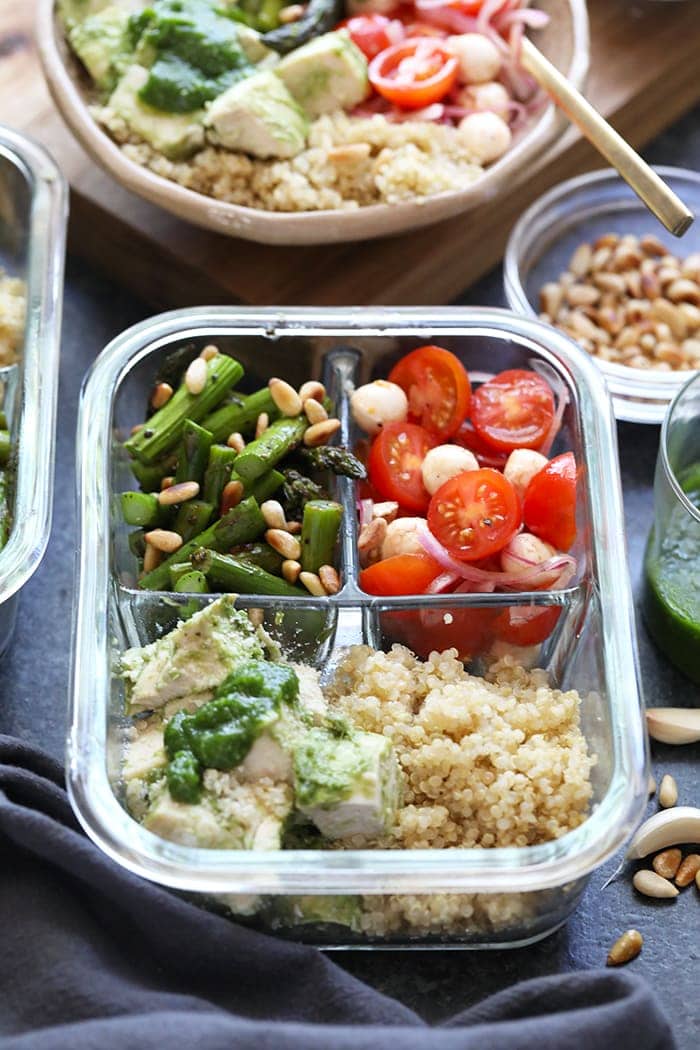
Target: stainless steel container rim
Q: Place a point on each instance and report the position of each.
(523, 869)
(39, 366)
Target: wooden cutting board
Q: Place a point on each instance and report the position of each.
(644, 75)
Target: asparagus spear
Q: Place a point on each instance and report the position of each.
(164, 428)
(193, 454)
(335, 458)
(319, 533)
(192, 517)
(297, 490)
(263, 487)
(137, 543)
(218, 472)
(5, 447)
(177, 571)
(141, 508)
(278, 441)
(192, 582)
(241, 577)
(242, 524)
(260, 554)
(241, 417)
(150, 477)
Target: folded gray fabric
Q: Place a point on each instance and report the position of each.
(94, 957)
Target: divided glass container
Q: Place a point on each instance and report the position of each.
(592, 649)
(33, 214)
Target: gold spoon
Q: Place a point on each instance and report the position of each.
(657, 196)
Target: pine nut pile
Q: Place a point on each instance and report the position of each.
(628, 300)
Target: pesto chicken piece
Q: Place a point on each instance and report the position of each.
(259, 116)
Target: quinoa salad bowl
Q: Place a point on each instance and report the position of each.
(259, 732)
(312, 143)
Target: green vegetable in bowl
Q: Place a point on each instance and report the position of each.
(319, 17)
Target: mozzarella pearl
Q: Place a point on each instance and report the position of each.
(485, 135)
(530, 548)
(521, 466)
(479, 59)
(445, 462)
(402, 537)
(491, 97)
(378, 403)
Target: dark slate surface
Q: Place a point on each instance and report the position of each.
(34, 681)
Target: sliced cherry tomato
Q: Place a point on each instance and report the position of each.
(373, 32)
(513, 410)
(401, 574)
(520, 625)
(394, 464)
(438, 389)
(474, 514)
(469, 631)
(467, 437)
(549, 507)
(414, 73)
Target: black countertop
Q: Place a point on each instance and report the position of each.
(34, 680)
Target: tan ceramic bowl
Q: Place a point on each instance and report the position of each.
(565, 42)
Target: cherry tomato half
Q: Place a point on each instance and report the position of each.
(414, 73)
(488, 456)
(395, 461)
(549, 507)
(513, 410)
(373, 33)
(520, 625)
(438, 389)
(469, 631)
(401, 574)
(474, 514)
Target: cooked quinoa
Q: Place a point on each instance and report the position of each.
(13, 305)
(349, 162)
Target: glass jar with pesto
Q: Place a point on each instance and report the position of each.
(671, 600)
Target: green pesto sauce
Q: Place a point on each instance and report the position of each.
(196, 53)
(671, 600)
(327, 768)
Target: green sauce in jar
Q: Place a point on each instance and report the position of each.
(671, 599)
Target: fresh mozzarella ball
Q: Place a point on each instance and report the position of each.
(529, 548)
(491, 97)
(378, 403)
(445, 462)
(478, 56)
(521, 467)
(485, 135)
(402, 537)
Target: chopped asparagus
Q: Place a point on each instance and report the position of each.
(192, 517)
(319, 533)
(278, 441)
(192, 582)
(241, 418)
(297, 490)
(137, 543)
(335, 458)
(218, 472)
(193, 454)
(241, 577)
(260, 554)
(150, 477)
(5, 447)
(141, 508)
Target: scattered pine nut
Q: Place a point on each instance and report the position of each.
(262, 424)
(668, 792)
(231, 496)
(625, 948)
(196, 376)
(178, 493)
(315, 412)
(135, 429)
(313, 389)
(667, 863)
(652, 885)
(313, 584)
(291, 570)
(273, 514)
(293, 527)
(387, 510)
(320, 433)
(370, 540)
(688, 870)
(292, 13)
(161, 395)
(165, 483)
(152, 558)
(235, 441)
(285, 397)
(256, 617)
(209, 351)
(164, 540)
(330, 580)
(286, 545)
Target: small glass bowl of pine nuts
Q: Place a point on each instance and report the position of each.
(589, 258)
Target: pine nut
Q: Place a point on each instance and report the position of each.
(667, 863)
(292, 13)
(262, 424)
(178, 493)
(284, 544)
(315, 412)
(256, 617)
(582, 295)
(312, 388)
(164, 540)
(196, 376)
(273, 514)
(652, 885)
(285, 397)
(209, 351)
(235, 441)
(293, 527)
(231, 496)
(688, 870)
(165, 483)
(690, 267)
(683, 289)
(320, 433)
(312, 583)
(668, 792)
(625, 948)
(135, 429)
(387, 510)
(551, 298)
(291, 570)
(580, 262)
(370, 540)
(651, 245)
(161, 395)
(330, 580)
(152, 558)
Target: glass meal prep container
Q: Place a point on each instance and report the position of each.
(530, 890)
(33, 214)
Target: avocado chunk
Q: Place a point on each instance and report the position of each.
(258, 116)
(72, 12)
(176, 135)
(192, 659)
(347, 785)
(327, 74)
(103, 45)
(323, 911)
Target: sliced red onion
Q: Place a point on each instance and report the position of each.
(527, 16)
(434, 112)
(365, 508)
(442, 583)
